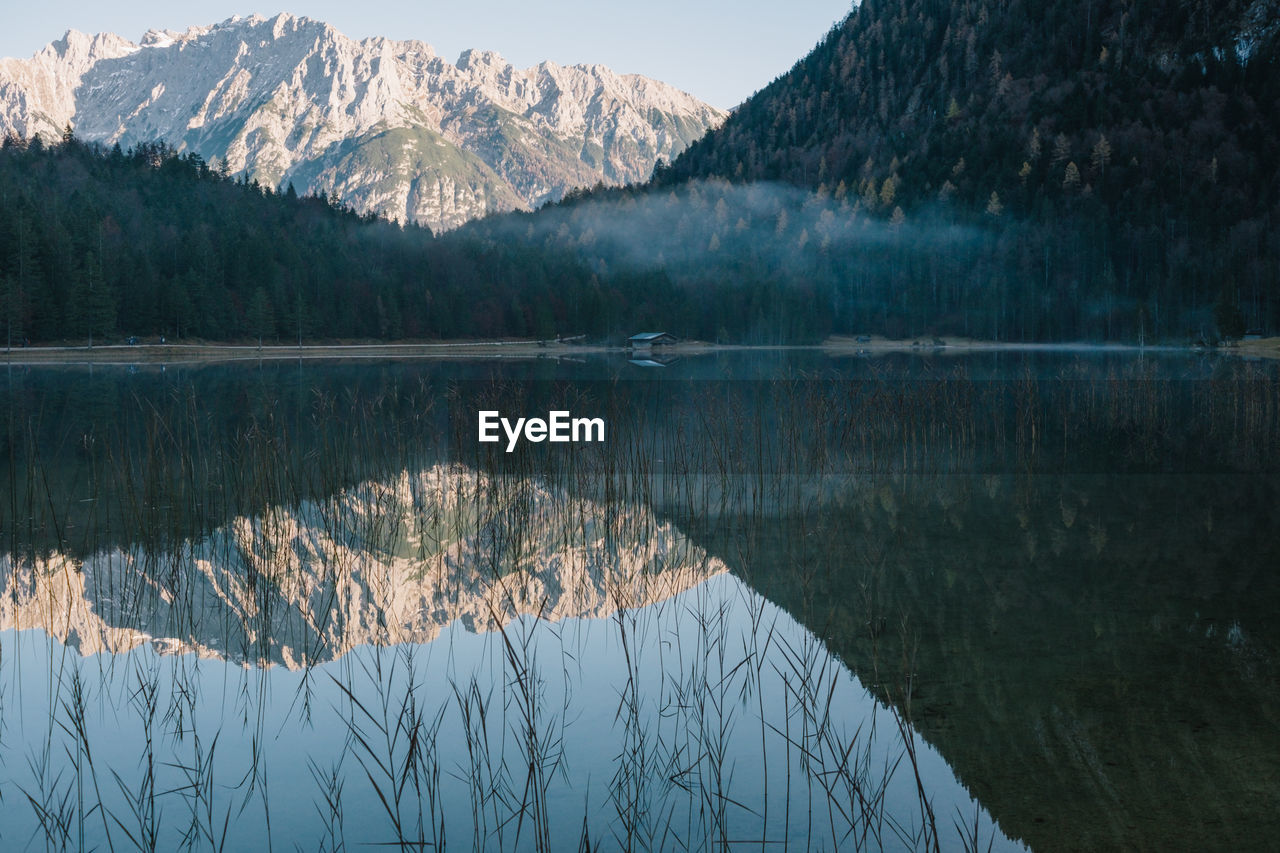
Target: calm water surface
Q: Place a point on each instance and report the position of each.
(918, 601)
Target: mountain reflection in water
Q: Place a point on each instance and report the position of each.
(378, 563)
(1053, 569)
(465, 658)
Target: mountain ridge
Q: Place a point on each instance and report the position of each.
(291, 99)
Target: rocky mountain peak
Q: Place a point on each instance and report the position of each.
(76, 48)
(472, 59)
(385, 125)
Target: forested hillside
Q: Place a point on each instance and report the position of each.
(108, 243)
(1124, 154)
(1004, 169)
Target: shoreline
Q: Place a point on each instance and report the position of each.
(170, 353)
(183, 353)
(845, 345)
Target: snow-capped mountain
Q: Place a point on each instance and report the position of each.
(388, 126)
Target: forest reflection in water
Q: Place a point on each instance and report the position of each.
(1054, 572)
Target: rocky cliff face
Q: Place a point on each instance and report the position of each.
(385, 562)
(388, 126)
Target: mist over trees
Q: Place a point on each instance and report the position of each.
(767, 263)
(1124, 155)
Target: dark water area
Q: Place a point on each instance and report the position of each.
(909, 601)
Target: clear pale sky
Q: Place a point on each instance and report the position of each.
(719, 50)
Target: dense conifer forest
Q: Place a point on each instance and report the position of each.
(1123, 154)
(112, 244)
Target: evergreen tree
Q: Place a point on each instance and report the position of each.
(11, 304)
(260, 316)
(101, 301)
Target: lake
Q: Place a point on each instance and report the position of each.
(794, 600)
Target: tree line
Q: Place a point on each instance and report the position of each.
(103, 244)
